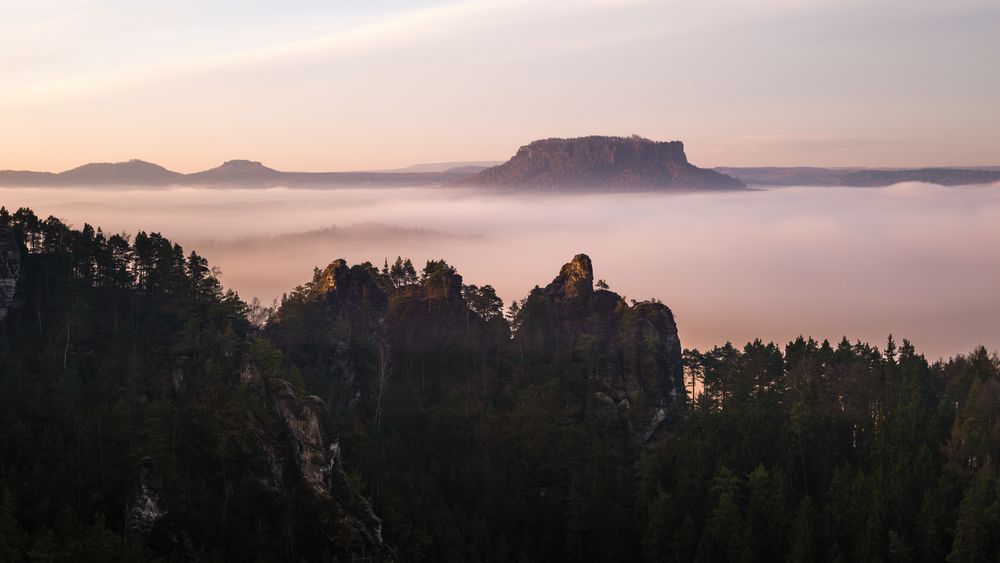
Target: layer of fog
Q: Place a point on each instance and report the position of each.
(919, 261)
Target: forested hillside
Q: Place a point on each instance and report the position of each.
(389, 413)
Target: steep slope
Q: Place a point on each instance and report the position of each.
(602, 164)
(133, 388)
(630, 354)
(440, 405)
(10, 269)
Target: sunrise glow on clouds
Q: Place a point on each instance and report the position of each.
(309, 86)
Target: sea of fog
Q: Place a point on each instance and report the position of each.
(918, 261)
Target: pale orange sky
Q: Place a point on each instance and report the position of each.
(309, 86)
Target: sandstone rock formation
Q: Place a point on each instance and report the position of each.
(10, 270)
(602, 164)
(301, 456)
(631, 353)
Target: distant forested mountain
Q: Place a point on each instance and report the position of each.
(859, 177)
(231, 174)
(393, 413)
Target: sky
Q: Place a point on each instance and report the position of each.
(314, 85)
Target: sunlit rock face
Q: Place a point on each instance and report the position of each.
(575, 280)
(10, 270)
(630, 354)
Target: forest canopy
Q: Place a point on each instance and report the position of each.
(386, 413)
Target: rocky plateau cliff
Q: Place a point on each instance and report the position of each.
(610, 164)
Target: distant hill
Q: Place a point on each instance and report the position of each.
(27, 178)
(602, 164)
(587, 163)
(782, 176)
(943, 176)
(234, 173)
(860, 177)
(131, 172)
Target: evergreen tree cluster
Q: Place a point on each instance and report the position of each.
(474, 435)
(120, 354)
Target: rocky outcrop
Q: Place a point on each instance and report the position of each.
(299, 456)
(631, 354)
(575, 280)
(10, 270)
(145, 506)
(355, 308)
(602, 164)
(320, 469)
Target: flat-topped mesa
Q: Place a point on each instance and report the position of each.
(603, 164)
(236, 172)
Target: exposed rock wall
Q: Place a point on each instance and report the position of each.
(631, 352)
(301, 456)
(603, 164)
(10, 270)
(145, 506)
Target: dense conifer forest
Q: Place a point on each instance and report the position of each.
(381, 412)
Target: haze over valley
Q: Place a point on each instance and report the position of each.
(503, 281)
(919, 261)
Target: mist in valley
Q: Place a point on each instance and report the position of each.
(919, 261)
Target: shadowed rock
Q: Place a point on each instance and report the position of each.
(146, 507)
(630, 353)
(300, 456)
(10, 270)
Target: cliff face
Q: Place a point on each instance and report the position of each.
(340, 330)
(299, 455)
(145, 506)
(10, 270)
(603, 164)
(631, 354)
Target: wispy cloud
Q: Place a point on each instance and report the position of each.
(385, 34)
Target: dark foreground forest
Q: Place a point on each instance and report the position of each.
(384, 413)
